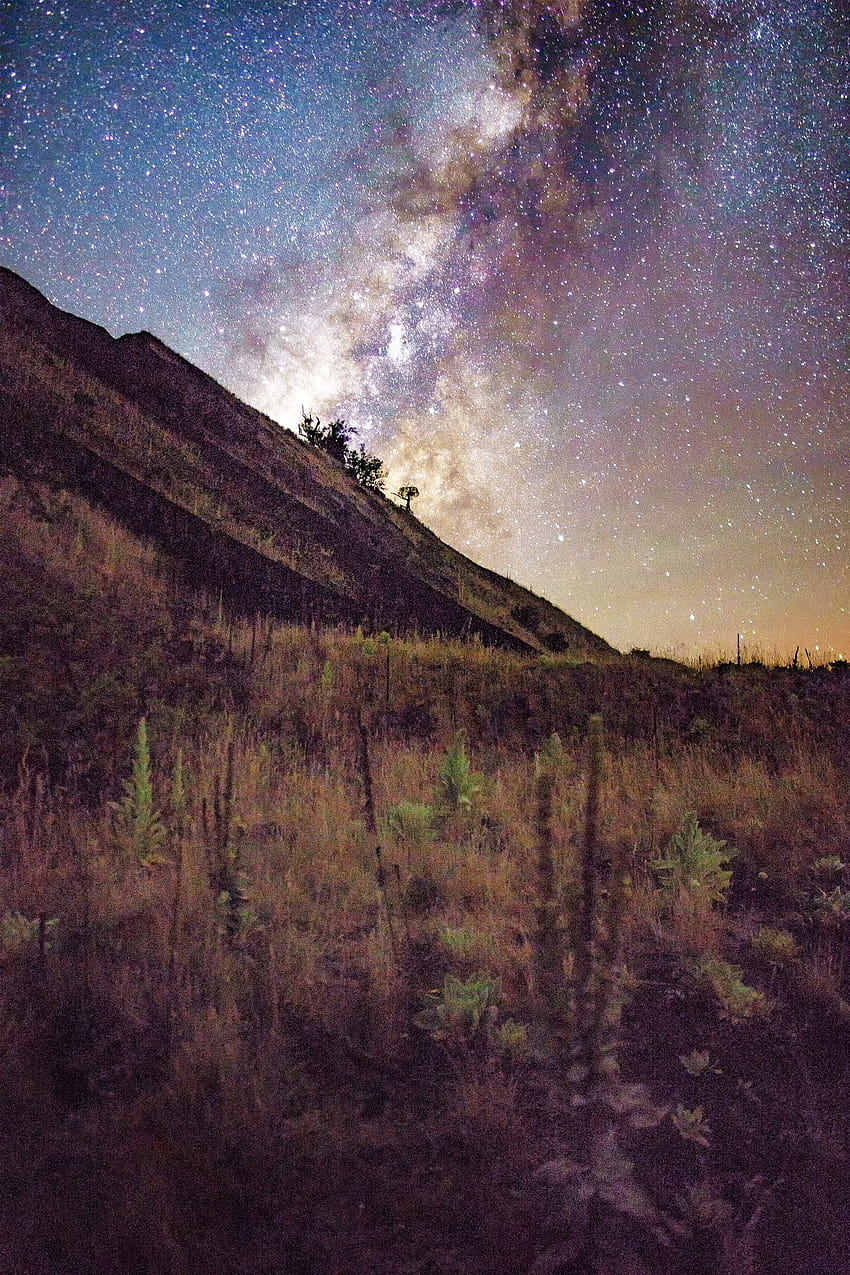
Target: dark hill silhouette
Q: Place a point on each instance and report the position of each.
(239, 504)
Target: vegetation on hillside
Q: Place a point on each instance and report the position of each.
(327, 951)
(337, 440)
(235, 500)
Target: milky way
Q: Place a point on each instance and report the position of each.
(579, 271)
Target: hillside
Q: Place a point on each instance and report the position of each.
(245, 508)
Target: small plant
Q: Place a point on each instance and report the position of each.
(327, 678)
(407, 494)
(462, 1009)
(459, 943)
(512, 1037)
(552, 753)
(778, 947)
(737, 998)
(831, 908)
(699, 1063)
(695, 862)
(828, 867)
(136, 814)
(690, 1124)
(459, 785)
(178, 804)
(236, 919)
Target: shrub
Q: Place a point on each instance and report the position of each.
(695, 862)
(368, 470)
(335, 439)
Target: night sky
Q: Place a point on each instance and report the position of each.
(579, 271)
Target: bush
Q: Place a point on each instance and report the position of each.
(695, 862)
(336, 439)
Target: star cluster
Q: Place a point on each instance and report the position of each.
(578, 271)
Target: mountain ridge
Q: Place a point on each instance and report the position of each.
(236, 501)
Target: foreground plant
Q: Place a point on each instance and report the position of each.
(459, 784)
(695, 862)
(595, 1186)
(736, 997)
(19, 932)
(778, 947)
(691, 1125)
(463, 1009)
(136, 815)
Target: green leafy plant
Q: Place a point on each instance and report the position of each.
(690, 1124)
(737, 998)
(463, 1008)
(695, 862)
(458, 784)
(136, 815)
(698, 1063)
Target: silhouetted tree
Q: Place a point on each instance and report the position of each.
(333, 439)
(368, 470)
(336, 439)
(407, 494)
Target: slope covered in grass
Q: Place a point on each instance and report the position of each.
(239, 504)
(290, 1001)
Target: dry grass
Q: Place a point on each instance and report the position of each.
(215, 1067)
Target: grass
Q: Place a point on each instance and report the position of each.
(265, 1048)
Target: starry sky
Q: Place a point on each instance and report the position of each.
(577, 269)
